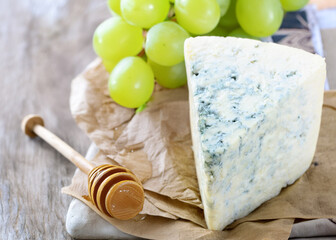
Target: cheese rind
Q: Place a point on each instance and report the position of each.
(255, 112)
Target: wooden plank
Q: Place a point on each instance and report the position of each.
(43, 45)
(328, 39)
(323, 4)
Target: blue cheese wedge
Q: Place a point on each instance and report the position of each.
(255, 112)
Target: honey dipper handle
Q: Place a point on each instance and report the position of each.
(33, 125)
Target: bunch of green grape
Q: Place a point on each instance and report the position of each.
(143, 41)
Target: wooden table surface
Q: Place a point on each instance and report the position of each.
(44, 44)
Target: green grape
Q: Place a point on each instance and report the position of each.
(131, 82)
(109, 65)
(197, 16)
(229, 20)
(293, 5)
(224, 6)
(115, 39)
(260, 18)
(164, 43)
(218, 31)
(144, 13)
(114, 6)
(169, 77)
(238, 32)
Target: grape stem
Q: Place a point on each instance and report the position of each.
(142, 53)
(171, 12)
(144, 33)
(141, 108)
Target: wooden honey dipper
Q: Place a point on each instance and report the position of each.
(114, 190)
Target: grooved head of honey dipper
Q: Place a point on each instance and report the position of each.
(125, 200)
(115, 191)
(29, 122)
(98, 176)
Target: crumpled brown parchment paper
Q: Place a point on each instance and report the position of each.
(156, 145)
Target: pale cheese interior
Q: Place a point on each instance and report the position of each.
(255, 111)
